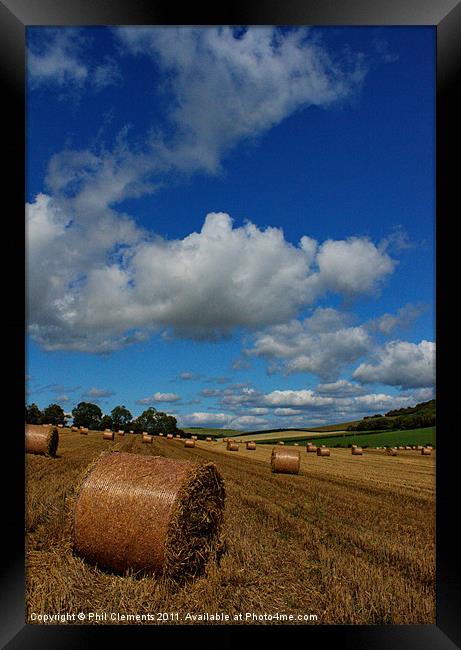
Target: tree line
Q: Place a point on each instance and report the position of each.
(416, 417)
(89, 415)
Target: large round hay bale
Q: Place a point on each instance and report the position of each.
(108, 435)
(232, 446)
(121, 432)
(149, 514)
(408, 447)
(280, 442)
(208, 439)
(74, 429)
(131, 431)
(178, 435)
(189, 443)
(285, 461)
(169, 436)
(60, 426)
(310, 448)
(251, 445)
(357, 451)
(194, 437)
(40, 440)
(425, 451)
(161, 435)
(323, 451)
(83, 431)
(147, 438)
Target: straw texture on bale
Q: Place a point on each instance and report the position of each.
(311, 448)
(169, 435)
(425, 451)
(147, 438)
(285, 461)
(148, 514)
(189, 443)
(357, 451)
(251, 445)
(108, 435)
(323, 451)
(232, 446)
(40, 440)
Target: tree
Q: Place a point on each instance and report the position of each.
(106, 423)
(33, 414)
(86, 414)
(147, 420)
(53, 414)
(121, 418)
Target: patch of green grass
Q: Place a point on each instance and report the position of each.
(381, 439)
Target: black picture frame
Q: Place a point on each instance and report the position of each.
(15, 16)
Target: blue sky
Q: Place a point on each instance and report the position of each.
(235, 226)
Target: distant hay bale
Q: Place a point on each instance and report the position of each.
(391, 452)
(131, 431)
(280, 442)
(149, 514)
(232, 446)
(74, 429)
(121, 432)
(357, 451)
(208, 439)
(189, 443)
(161, 435)
(108, 435)
(419, 447)
(353, 446)
(194, 437)
(285, 461)
(401, 448)
(296, 444)
(40, 440)
(60, 426)
(425, 451)
(169, 436)
(83, 431)
(251, 445)
(323, 451)
(408, 447)
(310, 448)
(146, 437)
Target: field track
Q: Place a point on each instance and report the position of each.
(351, 539)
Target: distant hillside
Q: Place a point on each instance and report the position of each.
(413, 417)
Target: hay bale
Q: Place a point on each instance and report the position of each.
(108, 435)
(149, 514)
(251, 445)
(425, 451)
(83, 431)
(60, 426)
(232, 446)
(40, 440)
(74, 429)
(310, 448)
(208, 439)
(189, 443)
(161, 435)
(391, 452)
(285, 461)
(169, 436)
(178, 435)
(408, 447)
(280, 442)
(296, 444)
(147, 438)
(131, 431)
(323, 451)
(121, 432)
(194, 437)
(357, 451)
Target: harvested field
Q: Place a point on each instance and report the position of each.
(319, 543)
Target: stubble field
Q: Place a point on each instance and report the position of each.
(350, 540)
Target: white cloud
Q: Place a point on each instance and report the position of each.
(299, 398)
(97, 286)
(160, 397)
(400, 363)
(322, 344)
(228, 87)
(59, 57)
(98, 392)
(340, 388)
(402, 319)
(201, 418)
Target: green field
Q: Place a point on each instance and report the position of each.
(383, 439)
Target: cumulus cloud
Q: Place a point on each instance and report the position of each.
(98, 288)
(159, 397)
(322, 344)
(98, 393)
(340, 388)
(248, 79)
(404, 317)
(400, 363)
